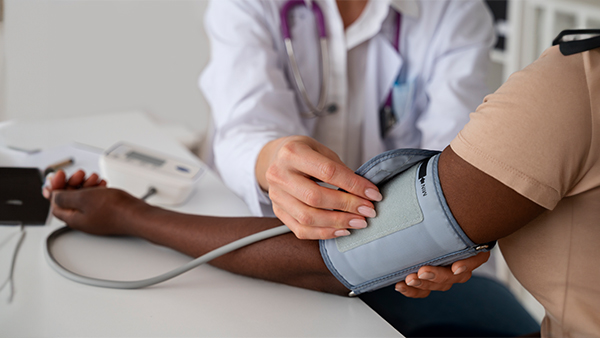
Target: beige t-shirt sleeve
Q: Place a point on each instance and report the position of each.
(534, 133)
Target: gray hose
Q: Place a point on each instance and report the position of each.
(280, 230)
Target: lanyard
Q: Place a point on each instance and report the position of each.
(396, 44)
(387, 119)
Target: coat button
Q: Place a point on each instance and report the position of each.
(332, 108)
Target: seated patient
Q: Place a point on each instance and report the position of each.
(526, 170)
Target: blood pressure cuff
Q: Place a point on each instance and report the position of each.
(414, 226)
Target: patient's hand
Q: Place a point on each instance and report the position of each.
(432, 278)
(97, 210)
(59, 181)
(87, 205)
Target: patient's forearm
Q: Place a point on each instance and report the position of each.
(282, 259)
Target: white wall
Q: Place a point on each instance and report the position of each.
(76, 57)
(2, 75)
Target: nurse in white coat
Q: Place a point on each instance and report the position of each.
(431, 55)
(439, 66)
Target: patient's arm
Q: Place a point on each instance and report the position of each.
(486, 209)
(283, 259)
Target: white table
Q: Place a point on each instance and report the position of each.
(203, 302)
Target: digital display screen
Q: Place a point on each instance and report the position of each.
(144, 158)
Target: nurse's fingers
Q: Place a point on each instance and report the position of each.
(309, 223)
(337, 174)
(310, 232)
(308, 157)
(312, 194)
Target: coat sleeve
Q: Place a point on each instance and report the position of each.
(456, 83)
(250, 97)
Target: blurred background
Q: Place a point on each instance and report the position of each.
(63, 58)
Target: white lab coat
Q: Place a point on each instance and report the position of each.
(250, 88)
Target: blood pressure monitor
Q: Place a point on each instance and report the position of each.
(138, 170)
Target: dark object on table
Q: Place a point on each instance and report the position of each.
(21, 200)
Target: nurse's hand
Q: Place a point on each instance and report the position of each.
(289, 169)
(439, 278)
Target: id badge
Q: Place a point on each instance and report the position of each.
(402, 99)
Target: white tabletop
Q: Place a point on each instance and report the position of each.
(203, 302)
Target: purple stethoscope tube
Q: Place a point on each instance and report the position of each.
(319, 109)
(396, 43)
(317, 12)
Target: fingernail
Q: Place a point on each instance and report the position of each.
(414, 282)
(367, 212)
(48, 180)
(427, 276)
(47, 186)
(340, 233)
(460, 270)
(401, 289)
(373, 195)
(358, 223)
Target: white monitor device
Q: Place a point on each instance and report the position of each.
(137, 170)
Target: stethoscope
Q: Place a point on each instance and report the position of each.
(319, 110)
(322, 108)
